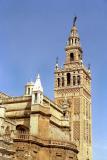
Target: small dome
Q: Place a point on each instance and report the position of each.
(74, 32)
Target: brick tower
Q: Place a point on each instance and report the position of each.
(73, 81)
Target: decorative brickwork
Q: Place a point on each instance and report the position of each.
(76, 130)
(76, 105)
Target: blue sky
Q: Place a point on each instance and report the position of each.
(34, 32)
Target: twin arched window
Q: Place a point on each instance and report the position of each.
(74, 41)
(75, 79)
(59, 83)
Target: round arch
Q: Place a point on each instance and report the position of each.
(71, 56)
(22, 129)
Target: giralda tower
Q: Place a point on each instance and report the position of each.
(73, 82)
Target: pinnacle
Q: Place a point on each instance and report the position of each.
(38, 85)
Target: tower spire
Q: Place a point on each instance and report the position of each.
(37, 84)
(37, 93)
(73, 48)
(74, 39)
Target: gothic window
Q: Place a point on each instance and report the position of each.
(75, 41)
(74, 80)
(68, 79)
(72, 41)
(78, 79)
(62, 81)
(58, 82)
(71, 56)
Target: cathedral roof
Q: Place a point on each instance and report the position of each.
(3, 95)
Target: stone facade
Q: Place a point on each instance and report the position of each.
(36, 131)
(33, 127)
(7, 128)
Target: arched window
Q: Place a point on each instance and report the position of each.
(71, 56)
(62, 81)
(28, 91)
(58, 82)
(35, 97)
(21, 129)
(68, 79)
(74, 80)
(78, 79)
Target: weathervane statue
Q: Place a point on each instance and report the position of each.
(74, 20)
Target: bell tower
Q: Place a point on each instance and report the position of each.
(73, 81)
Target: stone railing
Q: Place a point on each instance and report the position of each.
(14, 99)
(23, 136)
(46, 142)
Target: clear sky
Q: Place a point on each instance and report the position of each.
(34, 32)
